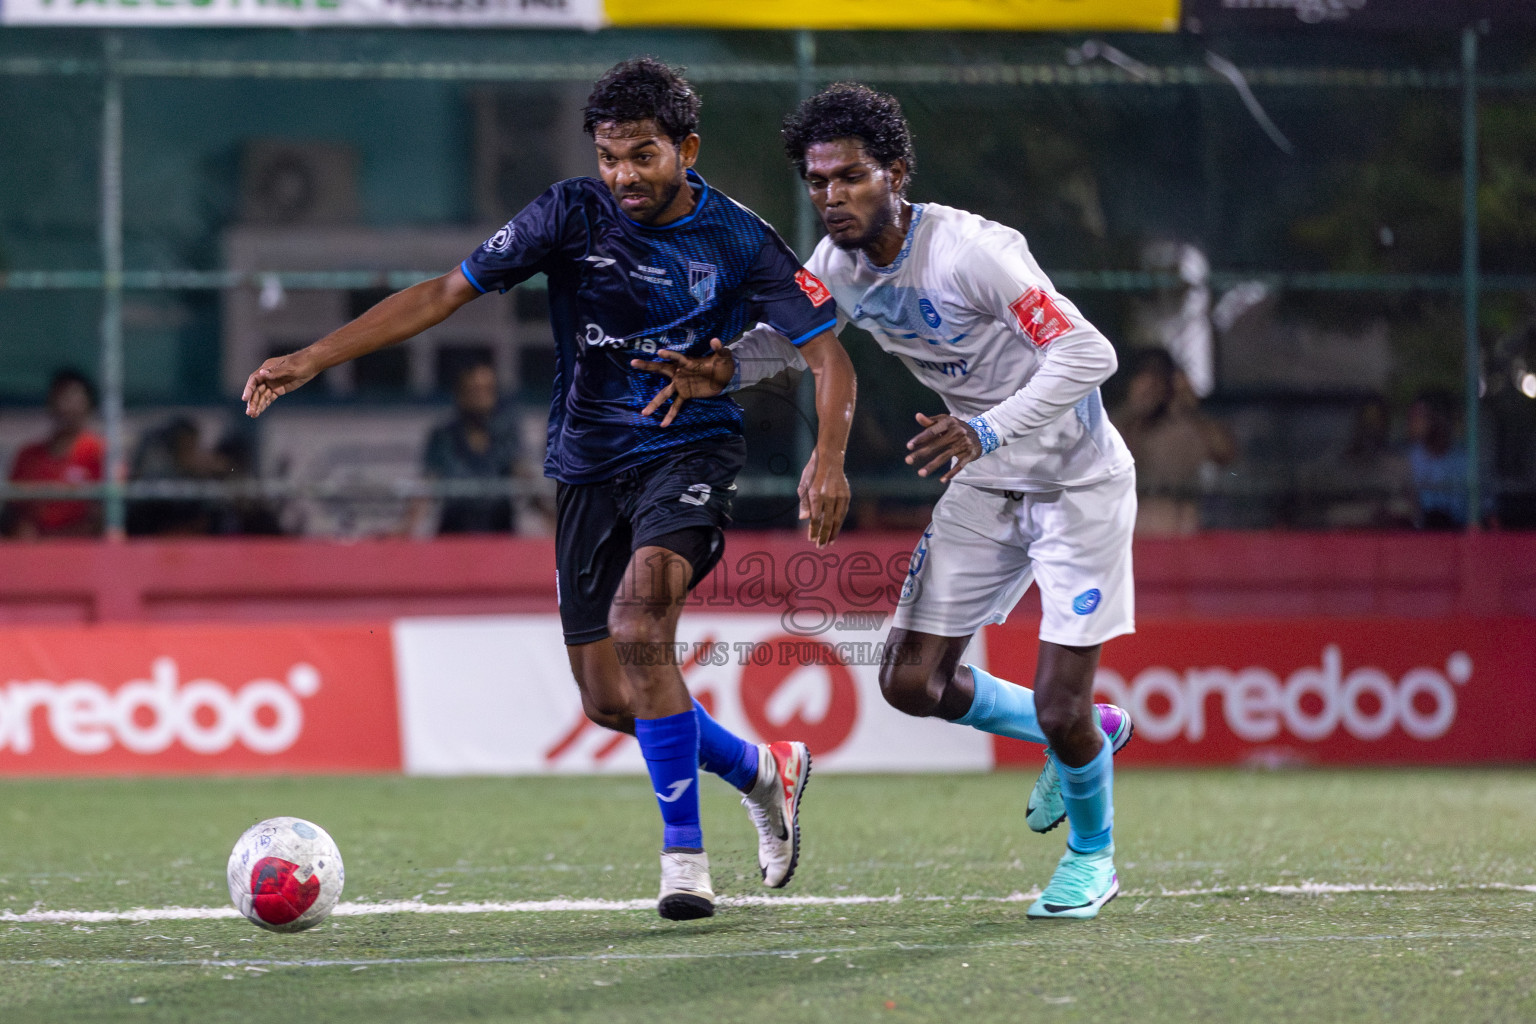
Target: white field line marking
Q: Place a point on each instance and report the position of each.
(786, 954)
(609, 906)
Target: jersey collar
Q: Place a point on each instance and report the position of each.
(694, 178)
(906, 245)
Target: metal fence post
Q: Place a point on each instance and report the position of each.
(1469, 271)
(805, 242)
(805, 85)
(112, 284)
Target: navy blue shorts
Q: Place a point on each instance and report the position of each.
(681, 502)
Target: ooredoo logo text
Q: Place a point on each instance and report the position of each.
(148, 716)
(1311, 703)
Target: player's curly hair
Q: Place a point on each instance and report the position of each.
(643, 89)
(849, 110)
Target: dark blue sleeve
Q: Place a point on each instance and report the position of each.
(786, 296)
(517, 252)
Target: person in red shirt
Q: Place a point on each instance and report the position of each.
(71, 454)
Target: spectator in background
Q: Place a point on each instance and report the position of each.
(250, 515)
(1438, 460)
(1368, 485)
(174, 451)
(71, 454)
(1172, 440)
(477, 444)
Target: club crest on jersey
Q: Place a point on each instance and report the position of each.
(701, 282)
(501, 241)
(930, 315)
(1040, 318)
(818, 293)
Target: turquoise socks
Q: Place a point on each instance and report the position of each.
(1002, 709)
(1088, 793)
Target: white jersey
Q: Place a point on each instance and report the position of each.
(969, 311)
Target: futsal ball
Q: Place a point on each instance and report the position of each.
(285, 874)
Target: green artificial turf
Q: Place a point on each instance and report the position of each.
(1431, 946)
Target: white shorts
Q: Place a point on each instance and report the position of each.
(984, 547)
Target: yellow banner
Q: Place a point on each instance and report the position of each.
(1016, 15)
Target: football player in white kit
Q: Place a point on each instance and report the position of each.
(1042, 488)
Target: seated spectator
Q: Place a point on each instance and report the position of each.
(1438, 460)
(71, 454)
(1172, 440)
(174, 451)
(251, 515)
(477, 444)
(1368, 485)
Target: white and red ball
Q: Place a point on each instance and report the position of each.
(285, 874)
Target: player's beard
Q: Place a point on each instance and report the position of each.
(663, 200)
(878, 222)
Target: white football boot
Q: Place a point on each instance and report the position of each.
(783, 769)
(686, 893)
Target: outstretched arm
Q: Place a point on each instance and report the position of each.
(402, 315)
(824, 492)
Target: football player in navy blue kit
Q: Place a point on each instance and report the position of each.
(646, 258)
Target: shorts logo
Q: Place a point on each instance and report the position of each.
(696, 494)
(1041, 319)
(915, 566)
(501, 241)
(1087, 601)
(701, 282)
(930, 315)
(818, 293)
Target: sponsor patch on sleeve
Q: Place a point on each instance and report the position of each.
(818, 293)
(501, 241)
(1039, 317)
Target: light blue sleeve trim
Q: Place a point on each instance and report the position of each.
(985, 433)
(808, 335)
(464, 269)
(735, 384)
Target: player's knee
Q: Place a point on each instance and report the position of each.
(910, 688)
(1062, 720)
(605, 701)
(611, 711)
(637, 623)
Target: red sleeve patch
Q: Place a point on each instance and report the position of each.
(1039, 317)
(818, 293)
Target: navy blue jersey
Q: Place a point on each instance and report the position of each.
(619, 290)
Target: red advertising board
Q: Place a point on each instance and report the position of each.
(1329, 691)
(197, 699)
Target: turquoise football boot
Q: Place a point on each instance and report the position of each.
(1083, 883)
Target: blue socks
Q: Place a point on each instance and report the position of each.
(675, 748)
(1002, 709)
(1088, 793)
(723, 753)
(671, 749)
